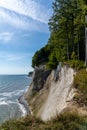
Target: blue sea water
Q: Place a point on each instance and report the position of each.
(11, 88)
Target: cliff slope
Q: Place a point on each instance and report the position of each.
(51, 93)
(60, 95)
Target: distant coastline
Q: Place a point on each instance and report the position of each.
(30, 74)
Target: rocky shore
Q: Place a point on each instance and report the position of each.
(23, 102)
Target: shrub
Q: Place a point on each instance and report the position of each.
(65, 121)
(80, 82)
(76, 64)
(41, 56)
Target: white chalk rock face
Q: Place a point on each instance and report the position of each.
(60, 95)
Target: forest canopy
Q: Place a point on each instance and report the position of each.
(67, 34)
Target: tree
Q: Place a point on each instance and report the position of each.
(41, 56)
(68, 20)
(67, 34)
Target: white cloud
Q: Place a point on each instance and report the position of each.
(6, 36)
(21, 21)
(25, 14)
(28, 8)
(14, 57)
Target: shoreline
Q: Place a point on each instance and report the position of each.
(23, 102)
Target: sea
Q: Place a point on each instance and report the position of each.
(11, 88)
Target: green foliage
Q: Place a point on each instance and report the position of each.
(76, 64)
(71, 121)
(52, 64)
(41, 56)
(85, 1)
(65, 121)
(80, 82)
(73, 56)
(69, 24)
(67, 38)
(56, 55)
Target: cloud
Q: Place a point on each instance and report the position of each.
(14, 57)
(6, 36)
(22, 21)
(28, 8)
(25, 14)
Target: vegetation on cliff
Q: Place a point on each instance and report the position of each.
(67, 38)
(80, 82)
(66, 121)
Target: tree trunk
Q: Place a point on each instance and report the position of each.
(86, 47)
(67, 37)
(78, 48)
(72, 38)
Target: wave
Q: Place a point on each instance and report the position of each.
(4, 103)
(6, 94)
(15, 93)
(11, 102)
(22, 108)
(11, 88)
(2, 99)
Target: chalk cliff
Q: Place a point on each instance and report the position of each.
(51, 93)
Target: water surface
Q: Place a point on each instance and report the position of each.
(11, 88)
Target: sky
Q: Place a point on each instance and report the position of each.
(23, 30)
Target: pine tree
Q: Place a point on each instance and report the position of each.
(68, 20)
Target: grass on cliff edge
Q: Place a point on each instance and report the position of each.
(66, 121)
(80, 82)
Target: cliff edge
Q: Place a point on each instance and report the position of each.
(51, 93)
